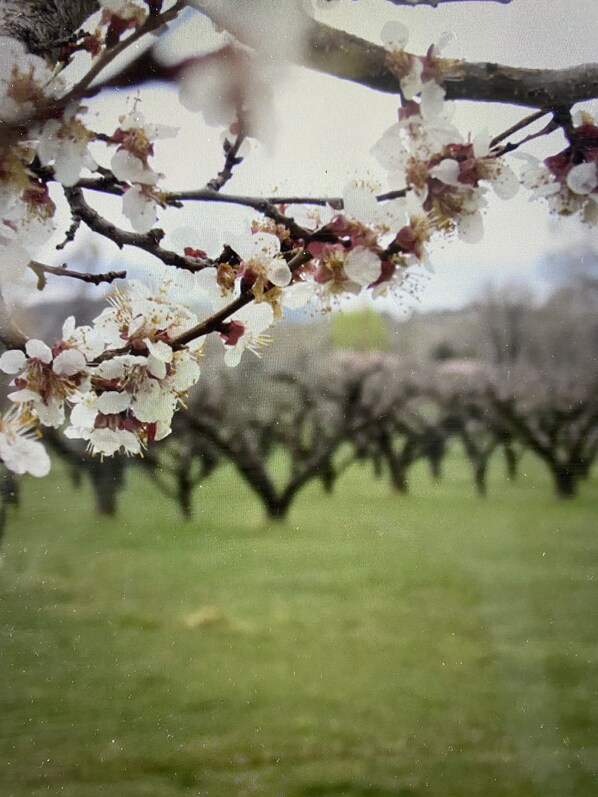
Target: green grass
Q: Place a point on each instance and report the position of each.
(435, 644)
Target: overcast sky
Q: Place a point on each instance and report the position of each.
(325, 129)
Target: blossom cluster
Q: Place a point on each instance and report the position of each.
(117, 383)
(569, 180)
(425, 153)
(42, 130)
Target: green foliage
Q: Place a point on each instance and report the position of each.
(360, 330)
(432, 645)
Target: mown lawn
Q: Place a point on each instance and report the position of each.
(437, 644)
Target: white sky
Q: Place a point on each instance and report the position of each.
(325, 129)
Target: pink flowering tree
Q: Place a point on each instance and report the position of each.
(117, 383)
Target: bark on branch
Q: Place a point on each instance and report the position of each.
(436, 3)
(349, 57)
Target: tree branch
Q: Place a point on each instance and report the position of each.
(349, 57)
(149, 242)
(212, 324)
(95, 279)
(436, 3)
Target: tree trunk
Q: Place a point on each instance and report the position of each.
(184, 492)
(435, 462)
(398, 475)
(480, 468)
(328, 477)
(277, 509)
(510, 461)
(107, 479)
(565, 481)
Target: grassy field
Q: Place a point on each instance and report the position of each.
(435, 644)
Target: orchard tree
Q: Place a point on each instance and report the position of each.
(117, 383)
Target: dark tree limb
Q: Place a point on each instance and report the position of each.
(149, 242)
(436, 3)
(349, 57)
(94, 279)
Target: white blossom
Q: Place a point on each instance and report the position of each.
(19, 450)
(260, 253)
(65, 142)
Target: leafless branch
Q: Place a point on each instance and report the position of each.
(95, 279)
(231, 160)
(149, 242)
(261, 204)
(349, 57)
(520, 125)
(436, 3)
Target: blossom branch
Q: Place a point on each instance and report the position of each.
(214, 322)
(261, 203)
(349, 57)
(153, 23)
(343, 55)
(61, 271)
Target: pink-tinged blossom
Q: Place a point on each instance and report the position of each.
(262, 265)
(568, 181)
(414, 139)
(134, 395)
(335, 272)
(120, 16)
(20, 451)
(246, 330)
(106, 434)
(451, 182)
(125, 9)
(26, 214)
(414, 72)
(134, 399)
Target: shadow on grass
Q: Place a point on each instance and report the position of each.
(353, 790)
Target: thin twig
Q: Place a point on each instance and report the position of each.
(528, 120)
(231, 160)
(95, 279)
(151, 24)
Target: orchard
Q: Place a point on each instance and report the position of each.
(117, 383)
